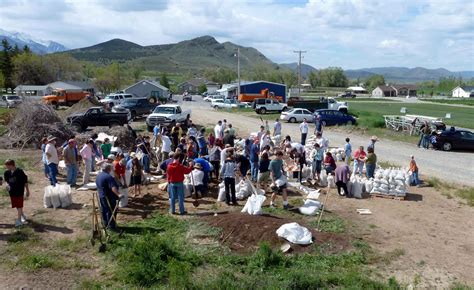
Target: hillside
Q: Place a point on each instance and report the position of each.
(305, 68)
(190, 55)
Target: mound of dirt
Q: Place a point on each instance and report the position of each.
(244, 233)
(80, 107)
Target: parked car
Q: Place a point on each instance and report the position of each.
(210, 98)
(334, 117)
(167, 115)
(97, 116)
(115, 99)
(187, 97)
(137, 106)
(261, 106)
(297, 115)
(226, 104)
(347, 95)
(11, 101)
(453, 140)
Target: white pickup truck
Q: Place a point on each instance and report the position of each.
(262, 106)
(167, 115)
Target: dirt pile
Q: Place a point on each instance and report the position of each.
(80, 107)
(244, 233)
(31, 122)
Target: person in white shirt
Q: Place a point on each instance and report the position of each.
(165, 147)
(277, 131)
(86, 154)
(218, 131)
(52, 159)
(192, 131)
(224, 153)
(304, 131)
(323, 142)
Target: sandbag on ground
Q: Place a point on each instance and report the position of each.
(253, 206)
(296, 234)
(310, 207)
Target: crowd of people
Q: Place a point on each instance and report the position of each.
(185, 151)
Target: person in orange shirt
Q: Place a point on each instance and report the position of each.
(119, 170)
(414, 172)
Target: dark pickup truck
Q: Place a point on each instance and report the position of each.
(97, 116)
(136, 106)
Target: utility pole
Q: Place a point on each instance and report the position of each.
(238, 72)
(299, 52)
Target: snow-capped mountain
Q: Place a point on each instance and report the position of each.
(36, 45)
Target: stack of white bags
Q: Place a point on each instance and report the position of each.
(57, 196)
(243, 189)
(391, 182)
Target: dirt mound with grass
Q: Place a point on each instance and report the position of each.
(80, 107)
(244, 233)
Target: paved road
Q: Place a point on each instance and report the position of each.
(455, 167)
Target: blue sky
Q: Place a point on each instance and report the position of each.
(345, 33)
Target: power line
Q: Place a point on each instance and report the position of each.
(299, 52)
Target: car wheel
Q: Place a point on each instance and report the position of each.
(292, 120)
(447, 146)
(353, 122)
(77, 127)
(262, 110)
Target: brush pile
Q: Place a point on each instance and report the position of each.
(31, 122)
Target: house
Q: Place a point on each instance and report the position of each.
(394, 91)
(192, 86)
(463, 92)
(148, 88)
(33, 90)
(357, 90)
(384, 91)
(405, 90)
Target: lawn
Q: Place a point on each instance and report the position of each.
(460, 116)
(467, 102)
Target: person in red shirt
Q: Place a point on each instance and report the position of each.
(119, 170)
(359, 159)
(175, 174)
(329, 163)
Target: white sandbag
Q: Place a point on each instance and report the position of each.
(47, 197)
(123, 202)
(128, 176)
(331, 181)
(55, 200)
(254, 203)
(281, 181)
(323, 179)
(310, 207)
(62, 164)
(88, 186)
(338, 157)
(221, 196)
(296, 234)
(369, 184)
(188, 189)
(307, 173)
(64, 192)
(356, 187)
(313, 194)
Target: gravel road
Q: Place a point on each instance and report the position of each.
(455, 167)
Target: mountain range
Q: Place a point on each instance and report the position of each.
(190, 55)
(36, 45)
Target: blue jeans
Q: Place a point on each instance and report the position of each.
(426, 141)
(369, 170)
(254, 170)
(358, 166)
(146, 163)
(414, 177)
(53, 172)
(107, 206)
(93, 164)
(176, 191)
(71, 174)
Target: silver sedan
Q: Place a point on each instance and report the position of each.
(296, 115)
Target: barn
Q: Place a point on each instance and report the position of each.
(279, 90)
(146, 89)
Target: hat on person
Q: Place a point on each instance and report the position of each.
(51, 138)
(133, 154)
(374, 138)
(71, 141)
(111, 157)
(198, 166)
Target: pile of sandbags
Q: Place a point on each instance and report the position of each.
(390, 182)
(356, 185)
(338, 153)
(57, 196)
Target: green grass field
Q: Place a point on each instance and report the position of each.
(467, 102)
(460, 116)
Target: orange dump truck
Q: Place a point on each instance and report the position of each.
(264, 94)
(60, 97)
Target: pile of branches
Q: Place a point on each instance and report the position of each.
(32, 122)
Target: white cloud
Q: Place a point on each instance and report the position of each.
(347, 33)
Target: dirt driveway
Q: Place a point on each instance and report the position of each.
(432, 236)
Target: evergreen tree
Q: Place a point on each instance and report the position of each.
(6, 65)
(164, 81)
(26, 49)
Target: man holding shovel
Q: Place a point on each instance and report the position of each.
(109, 196)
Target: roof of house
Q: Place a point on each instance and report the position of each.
(256, 82)
(31, 88)
(64, 86)
(404, 86)
(385, 88)
(196, 82)
(466, 88)
(356, 89)
(82, 84)
(153, 83)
